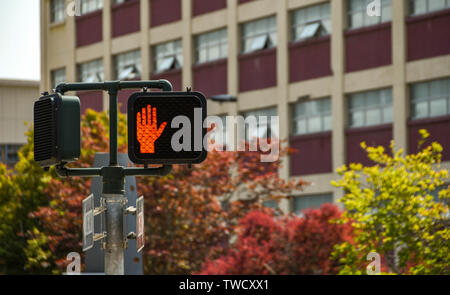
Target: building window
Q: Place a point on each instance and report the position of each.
(417, 7)
(128, 65)
(358, 17)
(370, 108)
(271, 204)
(302, 203)
(430, 99)
(211, 46)
(312, 116)
(58, 76)
(168, 56)
(91, 71)
(57, 11)
(90, 5)
(9, 154)
(259, 34)
(220, 138)
(311, 22)
(263, 128)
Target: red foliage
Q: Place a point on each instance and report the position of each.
(188, 213)
(286, 245)
(197, 209)
(61, 220)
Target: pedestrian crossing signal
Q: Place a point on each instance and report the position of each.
(166, 127)
(57, 137)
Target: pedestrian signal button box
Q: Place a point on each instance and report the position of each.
(56, 129)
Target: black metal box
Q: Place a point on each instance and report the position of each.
(57, 136)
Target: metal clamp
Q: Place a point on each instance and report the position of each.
(130, 210)
(98, 237)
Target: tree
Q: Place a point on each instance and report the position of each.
(59, 219)
(187, 212)
(393, 212)
(21, 192)
(194, 210)
(283, 245)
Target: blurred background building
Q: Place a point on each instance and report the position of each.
(335, 75)
(16, 97)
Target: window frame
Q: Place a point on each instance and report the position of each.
(268, 31)
(117, 2)
(311, 197)
(295, 25)
(54, 74)
(381, 107)
(428, 99)
(261, 129)
(350, 13)
(270, 203)
(88, 6)
(97, 65)
(128, 59)
(411, 5)
(221, 44)
(176, 54)
(4, 152)
(225, 133)
(57, 8)
(308, 115)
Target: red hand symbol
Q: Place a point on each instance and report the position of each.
(147, 129)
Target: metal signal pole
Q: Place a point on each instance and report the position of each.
(113, 176)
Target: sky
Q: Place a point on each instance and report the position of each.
(19, 39)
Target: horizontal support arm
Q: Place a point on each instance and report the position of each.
(160, 171)
(83, 172)
(114, 86)
(93, 172)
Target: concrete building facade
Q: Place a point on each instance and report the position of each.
(335, 74)
(16, 108)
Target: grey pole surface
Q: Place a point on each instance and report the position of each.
(114, 250)
(95, 257)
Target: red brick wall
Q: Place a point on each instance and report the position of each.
(164, 12)
(173, 76)
(373, 136)
(123, 98)
(91, 100)
(313, 154)
(125, 18)
(211, 78)
(205, 6)
(89, 28)
(368, 47)
(439, 129)
(428, 35)
(258, 70)
(309, 59)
